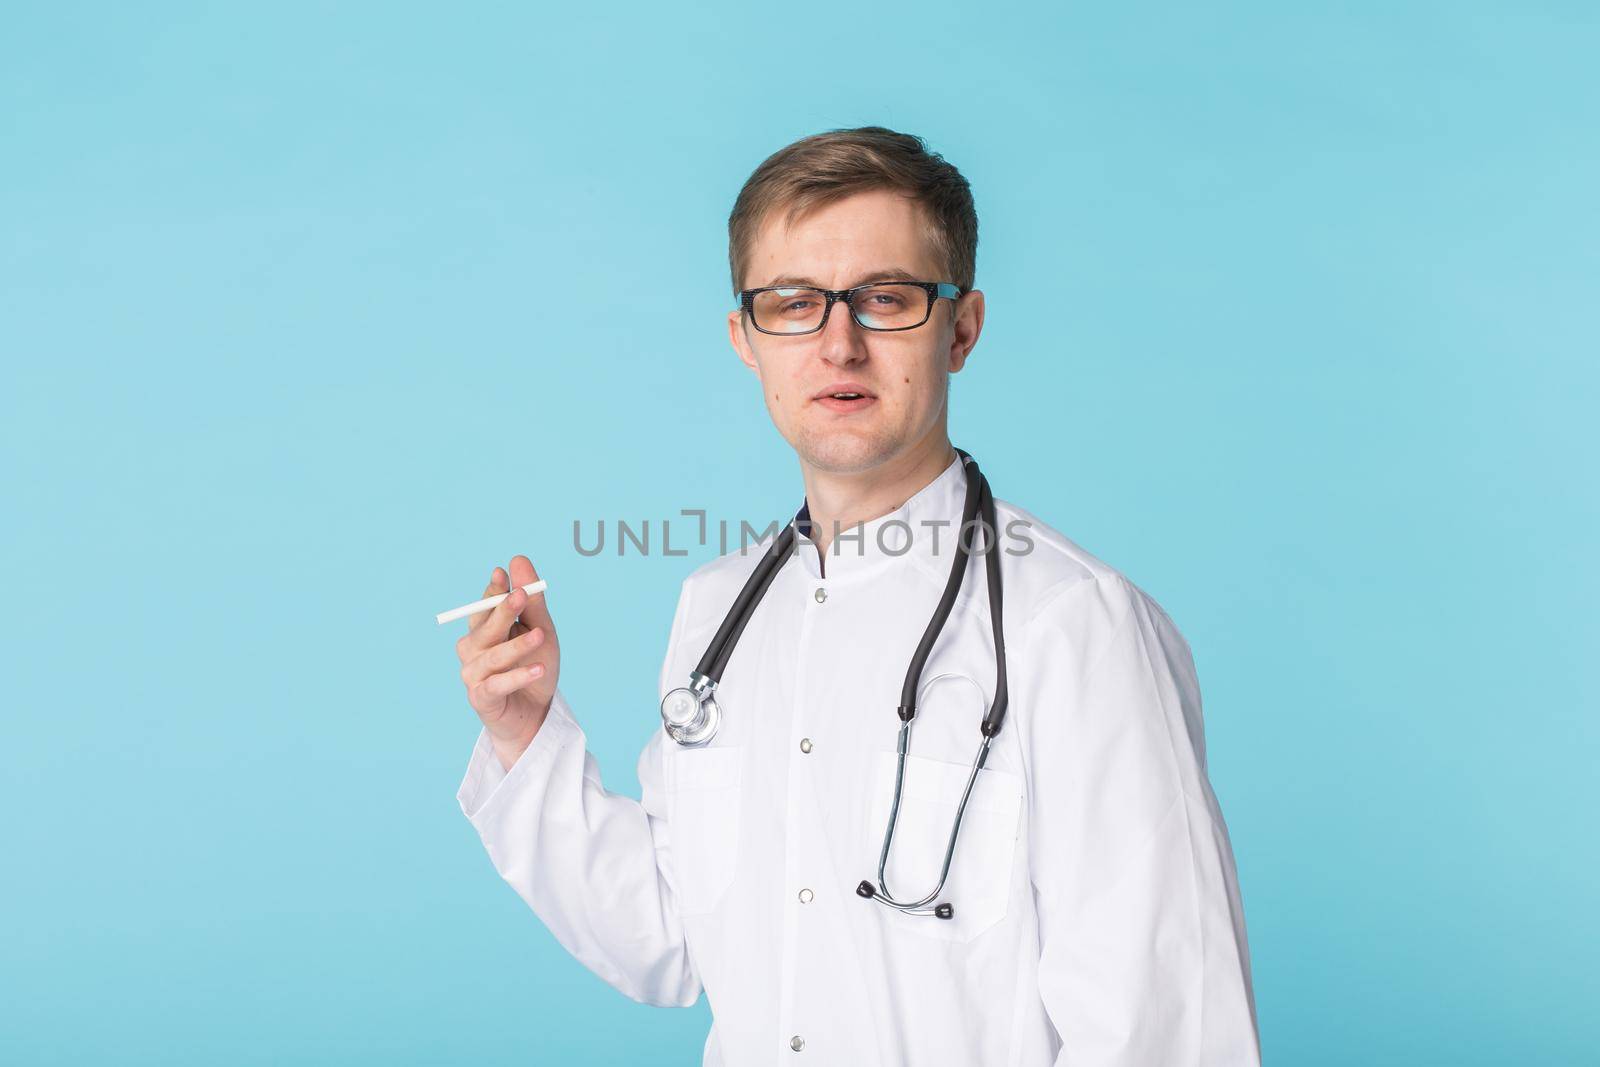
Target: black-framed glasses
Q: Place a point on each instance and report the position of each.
(789, 310)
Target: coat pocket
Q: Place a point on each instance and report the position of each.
(703, 812)
(978, 885)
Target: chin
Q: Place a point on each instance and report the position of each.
(843, 451)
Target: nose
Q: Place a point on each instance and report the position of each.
(843, 340)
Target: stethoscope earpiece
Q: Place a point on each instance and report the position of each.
(942, 911)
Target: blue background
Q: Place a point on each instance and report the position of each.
(311, 317)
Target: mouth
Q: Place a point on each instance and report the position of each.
(845, 397)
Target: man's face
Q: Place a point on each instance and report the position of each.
(905, 373)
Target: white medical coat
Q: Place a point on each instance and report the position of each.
(1098, 919)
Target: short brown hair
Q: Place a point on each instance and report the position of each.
(825, 167)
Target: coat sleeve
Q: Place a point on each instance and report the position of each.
(593, 865)
(1143, 955)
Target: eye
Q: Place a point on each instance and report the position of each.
(883, 298)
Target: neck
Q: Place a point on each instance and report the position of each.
(841, 500)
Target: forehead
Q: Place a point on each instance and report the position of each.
(842, 243)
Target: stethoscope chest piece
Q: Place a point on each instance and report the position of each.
(690, 714)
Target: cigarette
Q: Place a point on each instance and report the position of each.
(486, 603)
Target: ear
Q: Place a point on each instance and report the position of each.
(967, 324)
(740, 342)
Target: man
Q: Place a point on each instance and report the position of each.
(1096, 914)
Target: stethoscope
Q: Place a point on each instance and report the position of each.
(690, 715)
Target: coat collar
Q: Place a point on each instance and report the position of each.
(924, 527)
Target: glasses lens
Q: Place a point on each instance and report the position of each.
(891, 306)
(788, 310)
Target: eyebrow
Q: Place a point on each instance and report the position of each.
(891, 274)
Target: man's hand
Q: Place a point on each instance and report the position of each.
(510, 661)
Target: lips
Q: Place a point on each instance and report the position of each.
(845, 403)
(844, 391)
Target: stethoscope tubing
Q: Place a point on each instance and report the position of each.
(977, 486)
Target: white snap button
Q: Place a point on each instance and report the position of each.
(822, 594)
(805, 744)
(797, 1042)
(805, 896)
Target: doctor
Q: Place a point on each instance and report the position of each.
(1095, 918)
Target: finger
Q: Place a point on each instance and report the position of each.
(507, 682)
(518, 627)
(497, 584)
(494, 628)
(536, 612)
(513, 652)
(517, 651)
